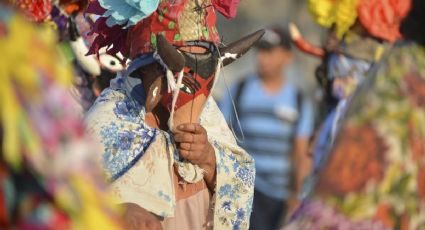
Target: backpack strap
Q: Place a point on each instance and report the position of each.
(299, 100)
(237, 97)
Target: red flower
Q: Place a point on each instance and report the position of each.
(382, 18)
(228, 8)
(36, 10)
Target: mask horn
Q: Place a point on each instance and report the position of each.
(303, 44)
(240, 47)
(169, 54)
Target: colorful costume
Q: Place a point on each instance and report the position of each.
(143, 162)
(348, 57)
(373, 176)
(92, 73)
(49, 179)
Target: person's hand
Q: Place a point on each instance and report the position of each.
(138, 218)
(193, 145)
(293, 205)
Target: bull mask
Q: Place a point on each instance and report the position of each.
(184, 87)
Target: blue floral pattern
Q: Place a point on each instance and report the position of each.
(118, 120)
(235, 173)
(123, 148)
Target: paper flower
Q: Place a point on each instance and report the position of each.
(127, 12)
(35, 10)
(341, 13)
(382, 18)
(228, 8)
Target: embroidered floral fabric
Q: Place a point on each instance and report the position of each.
(139, 159)
(375, 174)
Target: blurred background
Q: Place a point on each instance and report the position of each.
(256, 14)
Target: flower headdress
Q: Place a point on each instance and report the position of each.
(131, 26)
(380, 18)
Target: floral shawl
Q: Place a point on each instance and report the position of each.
(139, 159)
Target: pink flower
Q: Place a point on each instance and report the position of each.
(228, 8)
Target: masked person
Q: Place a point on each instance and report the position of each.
(170, 157)
(354, 44)
(276, 122)
(373, 177)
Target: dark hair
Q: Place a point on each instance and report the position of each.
(285, 40)
(284, 35)
(413, 26)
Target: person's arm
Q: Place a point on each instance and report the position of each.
(301, 160)
(302, 163)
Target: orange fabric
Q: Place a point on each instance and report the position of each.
(341, 175)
